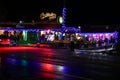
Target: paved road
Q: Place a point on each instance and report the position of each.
(33, 63)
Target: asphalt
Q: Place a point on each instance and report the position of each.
(80, 66)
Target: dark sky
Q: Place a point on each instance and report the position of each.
(94, 12)
(79, 12)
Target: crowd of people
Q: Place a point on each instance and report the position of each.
(87, 43)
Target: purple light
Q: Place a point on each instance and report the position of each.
(90, 37)
(64, 17)
(96, 37)
(107, 36)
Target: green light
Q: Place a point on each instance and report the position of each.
(24, 63)
(25, 35)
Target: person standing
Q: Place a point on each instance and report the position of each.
(72, 46)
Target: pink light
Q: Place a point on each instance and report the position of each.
(90, 37)
(96, 37)
(102, 37)
(107, 36)
(48, 31)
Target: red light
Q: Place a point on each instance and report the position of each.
(8, 39)
(5, 42)
(48, 67)
(51, 76)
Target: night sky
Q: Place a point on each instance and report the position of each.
(79, 12)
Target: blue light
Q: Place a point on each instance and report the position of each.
(64, 17)
(11, 61)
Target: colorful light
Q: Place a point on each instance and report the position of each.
(50, 37)
(60, 68)
(24, 35)
(96, 37)
(90, 37)
(24, 63)
(47, 67)
(48, 31)
(48, 15)
(12, 61)
(1, 32)
(42, 32)
(64, 17)
(107, 36)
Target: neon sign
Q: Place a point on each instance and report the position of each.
(50, 16)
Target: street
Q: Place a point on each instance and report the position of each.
(31, 63)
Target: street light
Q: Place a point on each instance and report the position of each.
(20, 21)
(60, 20)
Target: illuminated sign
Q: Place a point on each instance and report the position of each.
(50, 16)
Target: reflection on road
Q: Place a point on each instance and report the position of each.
(32, 63)
(19, 68)
(22, 67)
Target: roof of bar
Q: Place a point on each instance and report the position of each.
(42, 24)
